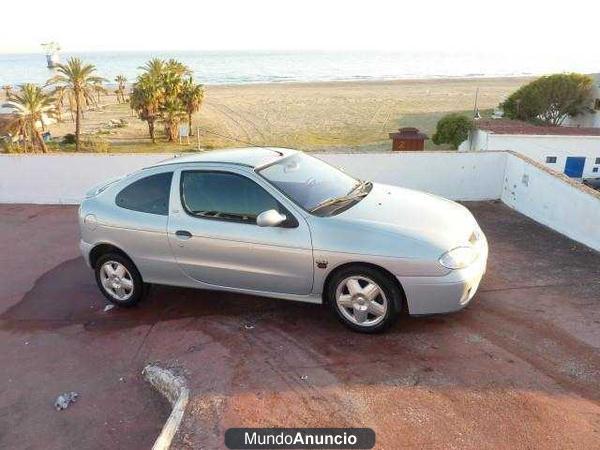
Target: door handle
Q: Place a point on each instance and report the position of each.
(183, 234)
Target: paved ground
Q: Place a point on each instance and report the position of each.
(520, 368)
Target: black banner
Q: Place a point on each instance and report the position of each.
(300, 438)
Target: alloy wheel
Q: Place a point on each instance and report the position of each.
(116, 280)
(361, 300)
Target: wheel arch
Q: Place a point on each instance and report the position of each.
(102, 249)
(358, 264)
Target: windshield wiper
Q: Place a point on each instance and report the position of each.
(360, 186)
(356, 192)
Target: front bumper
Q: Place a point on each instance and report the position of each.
(452, 292)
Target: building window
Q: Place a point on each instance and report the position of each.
(550, 159)
(597, 161)
(595, 170)
(597, 104)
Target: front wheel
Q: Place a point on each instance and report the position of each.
(119, 280)
(364, 299)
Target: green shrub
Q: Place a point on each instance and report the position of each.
(550, 99)
(68, 138)
(10, 147)
(452, 129)
(95, 145)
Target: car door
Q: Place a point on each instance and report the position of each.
(216, 241)
(135, 219)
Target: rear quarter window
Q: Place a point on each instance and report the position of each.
(149, 195)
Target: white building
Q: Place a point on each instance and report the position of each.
(574, 151)
(592, 117)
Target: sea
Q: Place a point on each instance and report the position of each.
(245, 67)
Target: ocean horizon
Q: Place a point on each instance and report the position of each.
(251, 67)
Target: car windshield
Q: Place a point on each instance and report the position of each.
(310, 182)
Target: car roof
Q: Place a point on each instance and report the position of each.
(250, 157)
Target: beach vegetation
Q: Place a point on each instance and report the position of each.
(192, 95)
(548, 100)
(68, 139)
(60, 96)
(166, 92)
(452, 129)
(121, 82)
(81, 85)
(7, 88)
(146, 100)
(96, 144)
(30, 106)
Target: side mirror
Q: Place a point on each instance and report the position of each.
(270, 218)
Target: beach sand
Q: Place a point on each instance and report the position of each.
(333, 115)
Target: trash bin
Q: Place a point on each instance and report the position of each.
(408, 138)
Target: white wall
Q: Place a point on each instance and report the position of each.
(555, 201)
(531, 189)
(538, 147)
(588, 119)
(65, 178)
(457, 176)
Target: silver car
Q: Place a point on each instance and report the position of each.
(279, 223)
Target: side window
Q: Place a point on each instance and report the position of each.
(225, 196)
(149, 195)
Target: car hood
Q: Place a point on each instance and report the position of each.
(417, 215)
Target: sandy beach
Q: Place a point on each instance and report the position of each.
(327, 115)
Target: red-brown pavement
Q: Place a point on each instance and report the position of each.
(519, 368)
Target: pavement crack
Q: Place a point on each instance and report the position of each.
(139, 349)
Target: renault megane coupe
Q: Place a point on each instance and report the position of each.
(280, 223)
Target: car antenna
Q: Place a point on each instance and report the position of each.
(252, 144)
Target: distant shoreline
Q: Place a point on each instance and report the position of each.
(371, 82)
(258, 68)
(359, 82)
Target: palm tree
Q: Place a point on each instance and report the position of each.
(121, 80)
(192, 96)
(158, 95)
(99, 89)
(172, 108)
(145, 99)
(7, 88)
(80, 84)
(172, 112)
(177, 68)
(154, 68)
(29, 106)
(59, 101)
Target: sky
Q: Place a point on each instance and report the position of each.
(551, 28)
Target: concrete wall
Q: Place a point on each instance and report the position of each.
(457, 176)
(539, 147)
(65, 178)
(521, 183)
(555, 201)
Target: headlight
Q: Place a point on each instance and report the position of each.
(458, 258)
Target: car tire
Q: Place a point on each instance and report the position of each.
(119, 280)
(364, 299)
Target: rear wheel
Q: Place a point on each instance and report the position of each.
(119, 280)
(364, 299)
